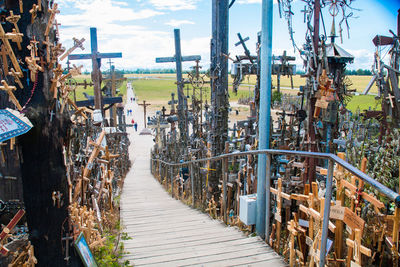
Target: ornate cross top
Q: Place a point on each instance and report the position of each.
(77, 44)
(14, 19)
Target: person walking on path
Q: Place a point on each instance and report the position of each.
(135, 125)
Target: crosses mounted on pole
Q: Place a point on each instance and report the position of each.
(96, 57)
(182, 103)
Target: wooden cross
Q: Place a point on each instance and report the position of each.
(33, 67)
(357, 248)
(144, 105)
(9, 50)
(14, 20)
(316, 240)
(393, 241)
(49, 45)
(296, 231)
(77, 44)
(16, 37)
(16, 77)
(6, 230)
(9, 90)
(278, 216)
(53, 11)
(65, 95)
(96, 57)
(78, 111)
(54, 82)
(40, 5)
(88, 168)
(33, 12)
(4, 53)
(113, 79)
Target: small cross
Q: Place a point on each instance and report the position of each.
(14, 19)
(3, 53)
(53, 12)
(16, 77)
(51, 115)
(391, 97)
(305, 11)
(33, 12)
(358, 249)
(9, 90)
(49, 45)
(16, 37)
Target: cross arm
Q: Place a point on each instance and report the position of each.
(99, 55)
(173, 59)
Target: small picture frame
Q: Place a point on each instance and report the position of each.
(84, 251)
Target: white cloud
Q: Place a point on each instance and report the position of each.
(174, 5)
(177, 23)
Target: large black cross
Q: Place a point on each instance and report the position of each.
(96, 57)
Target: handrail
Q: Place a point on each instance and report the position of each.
(363, 176)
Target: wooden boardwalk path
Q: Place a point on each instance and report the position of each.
(165, 232)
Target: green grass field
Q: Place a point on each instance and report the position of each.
(159, 87)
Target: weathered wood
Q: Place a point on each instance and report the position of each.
(166, 232)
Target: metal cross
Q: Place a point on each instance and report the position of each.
(243, 43)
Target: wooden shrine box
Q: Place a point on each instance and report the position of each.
(248, 208)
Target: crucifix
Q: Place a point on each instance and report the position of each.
(96, 57)
(182, 103)
(113, 79)
(9, 90)
(77, 44)
(53, 11)
(33, 12)
(144, 105)
(14, 20)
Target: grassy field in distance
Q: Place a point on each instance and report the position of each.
(158, 89)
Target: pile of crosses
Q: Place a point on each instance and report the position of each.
(95, 155)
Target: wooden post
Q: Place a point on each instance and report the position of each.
(224, 182)
(144, 105)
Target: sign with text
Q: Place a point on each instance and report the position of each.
(12, 124)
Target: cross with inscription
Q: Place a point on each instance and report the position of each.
(96, 57)
(182, 104)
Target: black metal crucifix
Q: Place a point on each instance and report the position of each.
(182, 103)
(96, 57)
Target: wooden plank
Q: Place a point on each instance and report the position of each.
(171, 250)
(165, 232)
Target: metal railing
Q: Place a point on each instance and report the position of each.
(332, 159)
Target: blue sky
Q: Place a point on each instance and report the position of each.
(143, 29)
